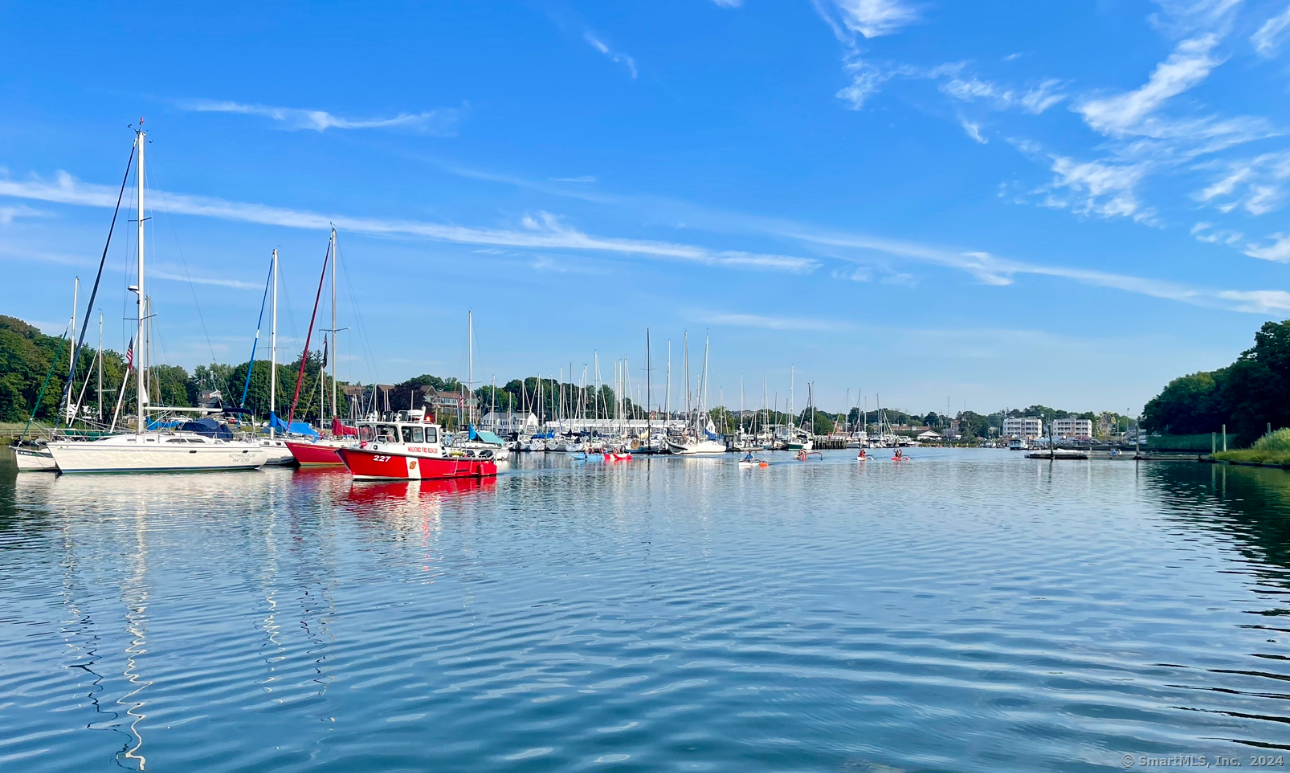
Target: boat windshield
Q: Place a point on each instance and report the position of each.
(412, 435)
(432, 435)
(387, 433)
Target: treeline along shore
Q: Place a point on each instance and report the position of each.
(28, 356)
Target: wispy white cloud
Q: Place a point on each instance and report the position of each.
(440, 122)
(9, 214)
(771, 322)
(973, 130)
(201, 280)
(1098, 188)
(1258, 301)
(615, 56)
(875, 18)
(729, 3)
(866, 80)
(1253, 184)
(1268, 39)
(541, 231)
(992, 270)
(586, 178)
(1185, 18)
(1034, 100)
(1130, 112)
(1206, 232)
(1278, 250)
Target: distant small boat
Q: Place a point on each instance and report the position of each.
(1058, 453)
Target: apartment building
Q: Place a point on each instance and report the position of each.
(1023, 427)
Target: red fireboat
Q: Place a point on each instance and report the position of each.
(409, 447)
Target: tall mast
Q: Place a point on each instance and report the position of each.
(335, 354)
(71, 367)
(273, 352)
(703, 400)
(792, 385)
(686, 357)
(667, 410)
(765, 404)
(140, 389)
(470, 358)
(99, 401)
(649, 381)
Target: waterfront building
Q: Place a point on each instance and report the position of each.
(1073, 427)
(1023, 427)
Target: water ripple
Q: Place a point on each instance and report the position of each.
(969, 611)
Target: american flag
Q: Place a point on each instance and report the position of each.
(129, 355)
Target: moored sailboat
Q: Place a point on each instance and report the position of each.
(146, 450)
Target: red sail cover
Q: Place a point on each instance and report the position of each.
(340, 430)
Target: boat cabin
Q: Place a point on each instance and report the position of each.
(405, 427)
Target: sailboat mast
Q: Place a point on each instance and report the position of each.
(686, 358)
(792, 386)
(140, 389)
(703, 398)
(335, 348)
(649, 380)
(667, 410)
(470, 358)
(273, 352)
(99, 401)
(71, 368)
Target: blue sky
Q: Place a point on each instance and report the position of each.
(991, 203)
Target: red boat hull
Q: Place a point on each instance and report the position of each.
(370, 465)
(315, 454)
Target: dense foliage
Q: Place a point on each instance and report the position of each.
(1247, 395)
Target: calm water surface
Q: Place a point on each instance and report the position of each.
(964, 611)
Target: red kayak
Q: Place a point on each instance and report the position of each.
(320, 454)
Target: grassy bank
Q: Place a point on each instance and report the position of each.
(1253, 456)
(1273, 448)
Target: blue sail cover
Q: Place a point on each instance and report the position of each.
(485, 436)
(209, 427)
(296, 428)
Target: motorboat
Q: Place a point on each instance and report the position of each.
(407, 447)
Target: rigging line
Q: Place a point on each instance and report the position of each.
(285, 287)
(250, 367)
(360, 324)
(304, 358)
(174, 235)
(95, 292)
(58, 355)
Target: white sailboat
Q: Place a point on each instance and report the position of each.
(698, 440)
(275, 448)
(146, 451)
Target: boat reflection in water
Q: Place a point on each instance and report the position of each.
(380, 495)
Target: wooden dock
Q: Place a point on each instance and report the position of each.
(829, 443)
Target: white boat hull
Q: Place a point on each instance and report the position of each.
(276, 452)
(697, 448)
(180, 452)
(33, 459)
